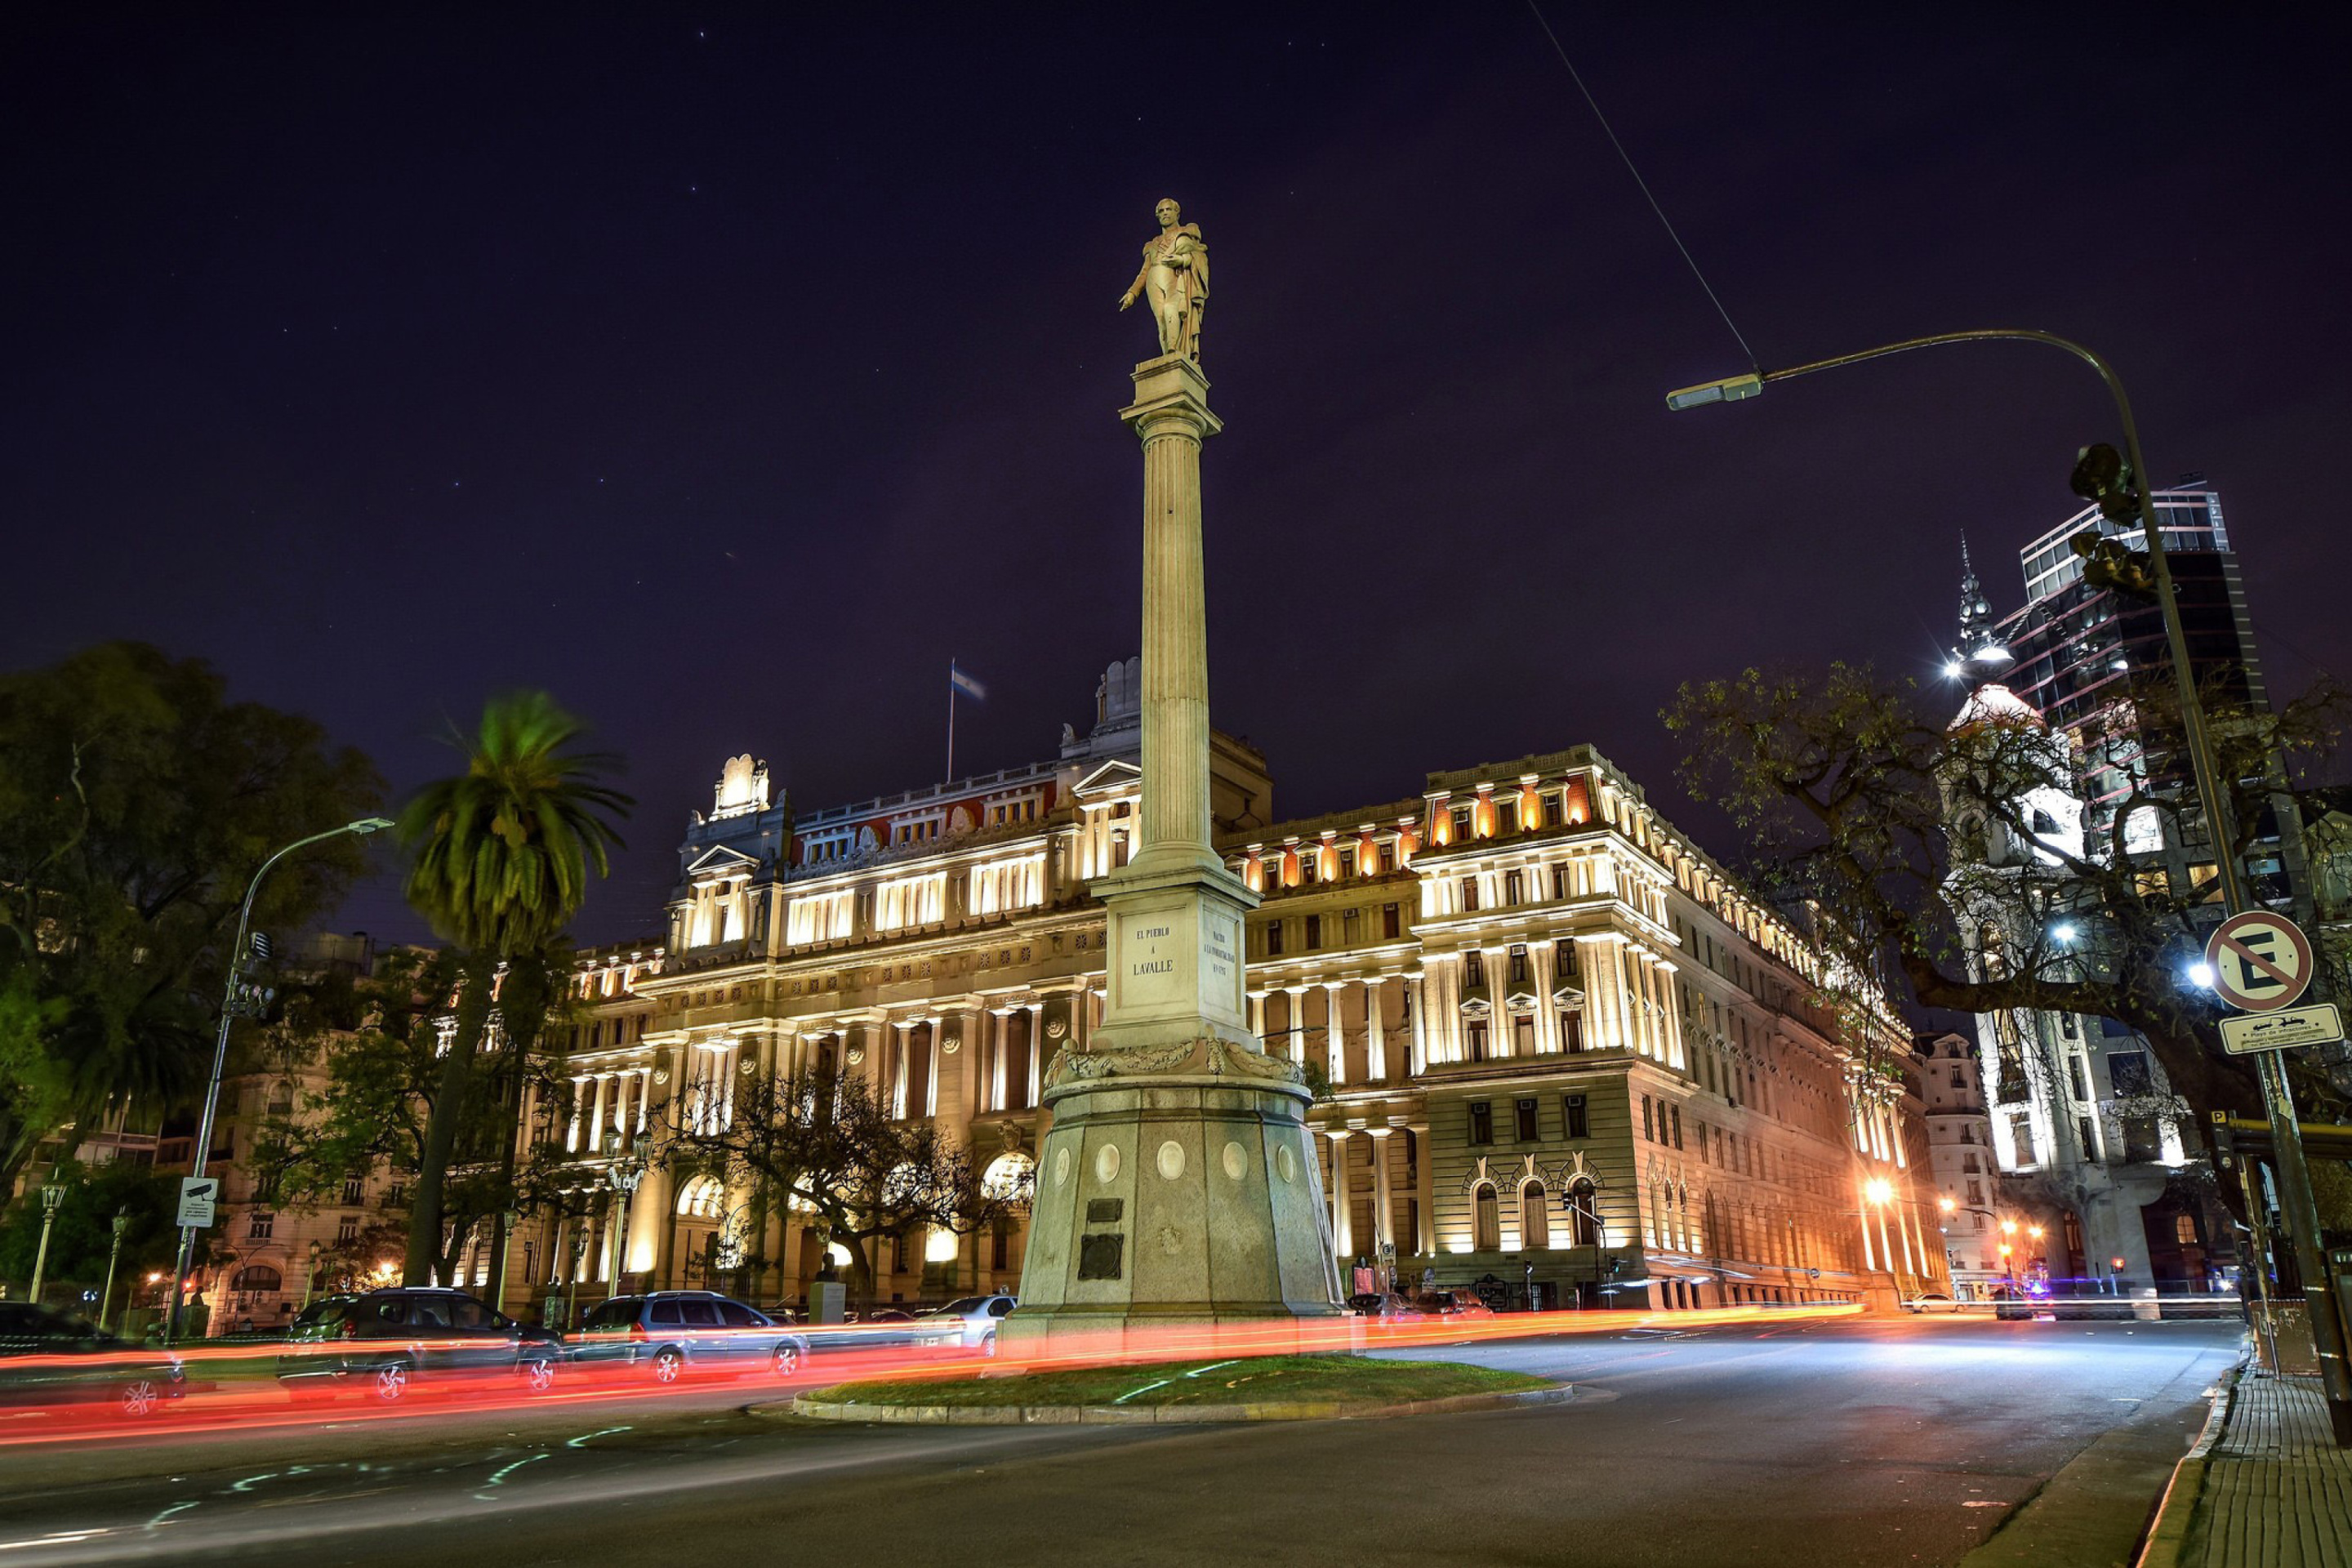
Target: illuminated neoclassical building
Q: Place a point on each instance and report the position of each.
(1562, 1046)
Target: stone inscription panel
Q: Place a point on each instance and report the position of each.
(1105, 1211)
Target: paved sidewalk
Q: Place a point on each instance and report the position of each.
(2272, 1490)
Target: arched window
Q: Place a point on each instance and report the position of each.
(1534, 1220)
(259, 1278)
(702, 1198)
(1486, 1219)
(1581, 1230)
(1011, 1175)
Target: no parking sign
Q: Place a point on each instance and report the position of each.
(2260, 960)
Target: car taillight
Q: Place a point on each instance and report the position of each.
(349, 1330)
(637, 1331)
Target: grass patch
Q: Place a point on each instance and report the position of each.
(1248, 1381)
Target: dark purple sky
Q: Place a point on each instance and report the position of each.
(725, 374)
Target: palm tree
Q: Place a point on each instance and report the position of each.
(501, 853)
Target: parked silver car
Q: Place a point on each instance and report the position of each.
(974, 1320)
(671, 1333)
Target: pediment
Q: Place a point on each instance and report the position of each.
(1112, 777)
(718, 860)
(1568, 996)
(1522, 1000)
(1476, 1007)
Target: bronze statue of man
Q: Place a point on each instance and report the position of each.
(1175, 273)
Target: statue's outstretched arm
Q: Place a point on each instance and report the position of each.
(1135, 288)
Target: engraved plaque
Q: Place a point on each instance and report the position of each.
(1105, 1211)
(1100, 1257)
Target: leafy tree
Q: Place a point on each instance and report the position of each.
(136, 801)
(1917, 837)
(83, 1235)
(501, 859)
(822, 1145)
(382, 1049)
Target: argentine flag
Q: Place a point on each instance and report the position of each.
(959, 681)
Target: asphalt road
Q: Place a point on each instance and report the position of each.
(1833, 1442)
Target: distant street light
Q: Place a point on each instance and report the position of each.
(106, 1297)
(233, 1002)
(2117, 483)
(53, 1198)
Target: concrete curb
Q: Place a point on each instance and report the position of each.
(2168, 1536)
(1152, 1416)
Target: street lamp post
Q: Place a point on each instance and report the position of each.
(622, 1176)
(2278, 1099)
(233, 1003)
(121, 1223)
(53, 1198)
(311, 1277)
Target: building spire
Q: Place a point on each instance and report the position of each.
(1979, 651)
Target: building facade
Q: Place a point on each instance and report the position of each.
(1559, 1051)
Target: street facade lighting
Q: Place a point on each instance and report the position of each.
(2117, 483)
(236, 998)
(53, 1197)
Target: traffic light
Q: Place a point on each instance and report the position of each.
(2101, 475)
(2111, 564)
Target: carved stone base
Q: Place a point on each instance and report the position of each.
(1178, 1185)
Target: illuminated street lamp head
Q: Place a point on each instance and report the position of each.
(367, 825)
(2006, 1249)
(1731, 389)
(2034, 1231)
(1878, 1190)
(1947, 1206)
(2064, 931)
(2009, 1227)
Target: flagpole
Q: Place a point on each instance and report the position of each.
(951, 696)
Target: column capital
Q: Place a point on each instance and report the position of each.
(1338, 1134)
(1378, 1132)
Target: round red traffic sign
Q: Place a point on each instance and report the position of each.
(2259, 961)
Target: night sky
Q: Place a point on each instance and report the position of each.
(725, 373)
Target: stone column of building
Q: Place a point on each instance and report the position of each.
(899, 1048)
(1036, 1051)
(1424, 1189)
(1343, 1226)
(1257, 1014)
(1297, 1033)
(1376, 1040)
(1383, 1200)
(1417, 1034)
(1000, 1032)
(1539, 975)
(1176, 1122)
(1335, 1043)
(596, 1115)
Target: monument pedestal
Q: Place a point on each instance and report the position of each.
(1179, 1182)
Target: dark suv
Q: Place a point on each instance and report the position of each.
(669, 1333)
(386, 1340)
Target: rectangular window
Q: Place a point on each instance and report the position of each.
(2127, 1070)
(1314, 933)
(1461, 824)
(1507, 816)
(1577, 1114)
(1649, 1127)
(1551, 810)
(1572, 1032)
(898, 1253)
(2078, 1079)
(1473, 968)
(1476, 1031)
(1469, 895)
(1482, 1121)
(1976, 1192)
(1392, 923)
(1347, 862)
(1000, 1246)
(354, 1190)
(1351, 928)
(1565, 969)
(1523, 1036)
(1388, 858)
(1518, 966)
(1515, 888)
(347, 1230)
(1525, 1110)
(1559, 881)
(258, 1225)
(1675, 1112)
(1274, 939)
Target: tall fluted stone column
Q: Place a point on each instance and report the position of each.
(1179, 1181)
